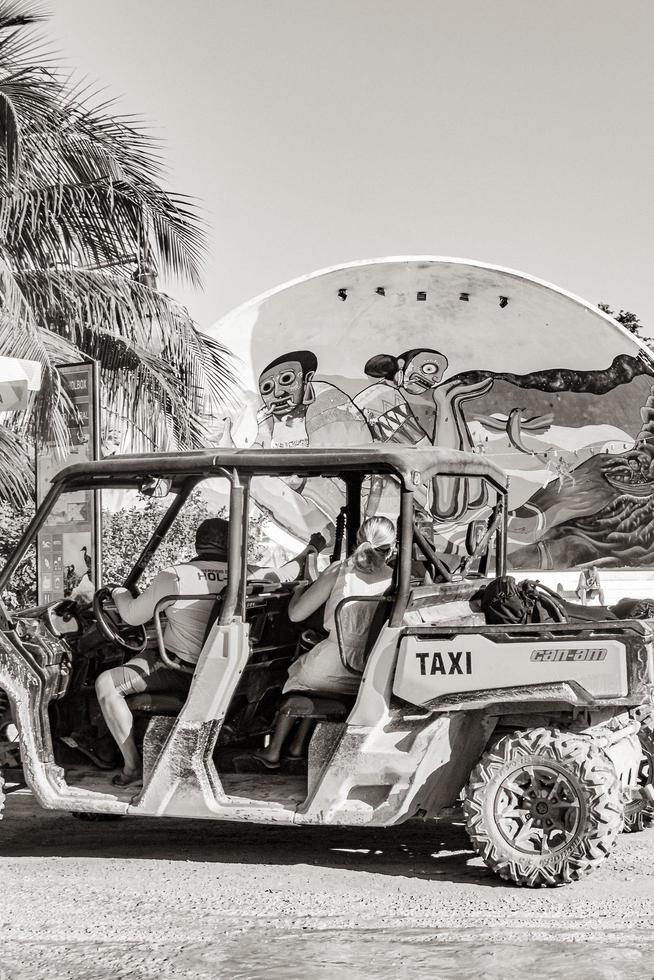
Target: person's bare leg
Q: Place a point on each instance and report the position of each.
(582, 596)
(601, 597)
(299, 740)
(279, 736)
(120, 723)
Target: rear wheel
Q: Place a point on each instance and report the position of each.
(543, 807)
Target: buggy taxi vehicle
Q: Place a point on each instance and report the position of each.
(540, 726)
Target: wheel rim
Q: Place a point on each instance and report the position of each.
(537, 809)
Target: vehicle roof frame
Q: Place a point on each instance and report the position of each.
(413, 467)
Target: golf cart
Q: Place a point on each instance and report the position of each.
(538, 724)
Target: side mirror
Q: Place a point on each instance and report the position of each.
(156, 486)
(474, 534)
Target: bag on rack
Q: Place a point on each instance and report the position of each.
(505, 601)
(501, 601)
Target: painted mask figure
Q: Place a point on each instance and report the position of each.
(285, 384)
(423, 370)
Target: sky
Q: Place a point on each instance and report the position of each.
(316, 132)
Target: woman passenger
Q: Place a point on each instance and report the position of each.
(366, 573)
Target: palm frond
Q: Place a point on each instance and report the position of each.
(22, 337)
(9, 136)
(14, 14)
(16, 466)
(94, 224)
(68, 147)
(153, 359)
(67, 152)
(82, 212)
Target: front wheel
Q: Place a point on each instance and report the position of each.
(543, 807)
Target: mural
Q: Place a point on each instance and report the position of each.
(496, 363)
(424, 410)
(298, 410)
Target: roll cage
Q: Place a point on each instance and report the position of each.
(410, 468)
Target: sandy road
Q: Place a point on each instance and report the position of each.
(170, 898)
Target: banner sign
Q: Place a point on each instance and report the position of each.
(68, 557)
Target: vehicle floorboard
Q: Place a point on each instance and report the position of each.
(288, 788)
(275, 787)
(99, 781)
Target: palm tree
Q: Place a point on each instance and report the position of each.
(85, 226)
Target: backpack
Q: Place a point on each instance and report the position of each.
(541, 605)
(501, 601)
(505, 601)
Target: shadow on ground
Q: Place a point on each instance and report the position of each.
(433, 849)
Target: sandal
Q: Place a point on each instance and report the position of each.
(252, 757)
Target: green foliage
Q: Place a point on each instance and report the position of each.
(85, 228)
(125, 532)
(13, 521)
(627, 319)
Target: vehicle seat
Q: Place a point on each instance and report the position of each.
(319, 707)
(593, 614)
(370, 616)
(337, 707)
(153, 703)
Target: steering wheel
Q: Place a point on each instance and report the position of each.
(111, 626)
(67, 610)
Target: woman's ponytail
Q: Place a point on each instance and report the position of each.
(366, 558)
(375, 541)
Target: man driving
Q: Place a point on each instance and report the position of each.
(186, 623)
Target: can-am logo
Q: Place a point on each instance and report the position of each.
(575, 655)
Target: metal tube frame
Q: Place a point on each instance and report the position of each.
(235, 550)
(405, 547)
(159, 534)
(353, 484)
(245, 542)
(29, 535)
(494, 529)
(501, 536)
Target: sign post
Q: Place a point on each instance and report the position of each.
(69, 543)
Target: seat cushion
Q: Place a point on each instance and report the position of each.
(587, 614)
(325, 707)
(156, 703)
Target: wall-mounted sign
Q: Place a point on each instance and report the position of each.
(68, 559)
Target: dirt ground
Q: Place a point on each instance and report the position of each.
(153, 898)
